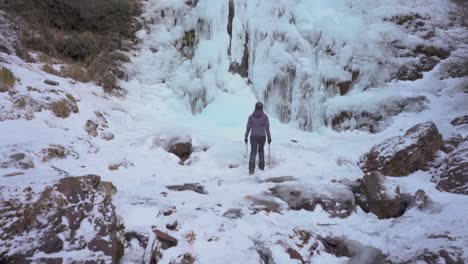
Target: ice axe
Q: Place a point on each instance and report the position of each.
(246, 150)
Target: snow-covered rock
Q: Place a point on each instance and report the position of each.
(373, 195)
(335, 199)
(402, 155)
(452, 176)
(75, 217)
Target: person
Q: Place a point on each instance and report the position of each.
(259, 126)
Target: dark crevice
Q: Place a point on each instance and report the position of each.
(229, 25)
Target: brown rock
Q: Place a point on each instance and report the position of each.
(181, 150)
(165, 239)
(453, 174)
(372, 196)
(402, 155)
(172, 226)
(293, 254)
(51, 243)
(76, 189)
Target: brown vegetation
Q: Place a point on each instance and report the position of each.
(7, 79)
(85, 32)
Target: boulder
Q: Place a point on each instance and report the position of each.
(403, 155)
(335, 199)
(355, 251)
(372, 195)
(452, 176)
(181, 150)
(55, 216)
(181, 146)
(165, 239)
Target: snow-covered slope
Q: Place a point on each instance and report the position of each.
(298, 54)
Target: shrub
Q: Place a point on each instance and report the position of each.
(24, 54)
(49, 69)
(61, 108)
(7, 77)
(85, 31)
(75, 72)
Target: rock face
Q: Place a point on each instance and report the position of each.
(403, 155)
(337, 200)
(373, 196)
(76, 214)
(452, 176)
(375, 121)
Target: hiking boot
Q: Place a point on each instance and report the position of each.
(251, 172)
(261, 164)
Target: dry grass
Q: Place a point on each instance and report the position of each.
(24, 54)
(84, 34)
(75, 72)
(7, 78)
(49, 69)
(61, 108)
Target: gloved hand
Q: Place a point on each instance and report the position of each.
(269, 141)
(246, 140)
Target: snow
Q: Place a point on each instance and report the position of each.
(158, 106)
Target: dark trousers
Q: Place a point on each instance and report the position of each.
(257, 144)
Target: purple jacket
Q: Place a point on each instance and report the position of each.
(259, 124)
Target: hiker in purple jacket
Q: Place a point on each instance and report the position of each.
(260, 126)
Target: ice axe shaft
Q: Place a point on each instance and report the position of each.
(269, 155)
(246, 150)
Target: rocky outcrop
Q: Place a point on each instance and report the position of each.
(452, 176)
(372, 195)
(76, 214)
(403, 155)
(337, 200)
